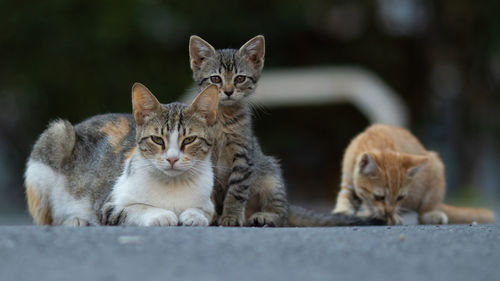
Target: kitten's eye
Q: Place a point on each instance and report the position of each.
(215, 79)
(379, 197)
(157, 140)
(240, 79)
(400, 197)
(188, 140)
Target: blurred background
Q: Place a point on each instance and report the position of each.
(436, 62)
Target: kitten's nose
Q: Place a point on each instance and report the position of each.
(172, 160)
(228, 93)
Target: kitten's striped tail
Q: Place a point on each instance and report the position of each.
(465, 215)
(302, 217)
(49, 154)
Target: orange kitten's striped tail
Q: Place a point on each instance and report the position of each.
(465, 215)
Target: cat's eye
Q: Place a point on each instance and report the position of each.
(215, 79)
(188, 140)
(157, 140)
(240, 79)
(379, 197)
(400, 197)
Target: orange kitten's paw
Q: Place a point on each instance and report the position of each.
(264, 219)
(230, 220)
(161, 218)
(433, 217)
(76, 222)
(193, 217)
(395, 220)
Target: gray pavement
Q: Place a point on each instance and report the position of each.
(461, 252)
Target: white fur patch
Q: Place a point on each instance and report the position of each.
(176, 194)
(53, 185)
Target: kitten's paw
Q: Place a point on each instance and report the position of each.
(433, 217)
(75, 222)
(230, 220)
(161, 217)
(264, 219)
(395, 220)
(193, 217)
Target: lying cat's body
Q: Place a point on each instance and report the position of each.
(249, 187)
(114, 168)
(386, 168)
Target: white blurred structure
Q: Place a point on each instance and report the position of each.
(322, 86)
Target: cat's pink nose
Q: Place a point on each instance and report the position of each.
(172, 160)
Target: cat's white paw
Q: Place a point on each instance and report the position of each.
(74, 221)
(433, 217)
(160, 217)
(193, 217)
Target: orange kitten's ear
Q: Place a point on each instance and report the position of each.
(199, 50)
(367, 165)
(206, 104)
(143, 103)
(415, 164)
(254, 50)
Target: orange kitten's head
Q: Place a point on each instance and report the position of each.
(382, 180)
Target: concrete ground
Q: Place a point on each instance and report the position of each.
(460, 252)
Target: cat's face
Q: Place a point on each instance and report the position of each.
(175, 138)
(235, 72)
(382, 180)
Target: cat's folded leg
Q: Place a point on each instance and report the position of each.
(140, 215)
(274, 210)
(344, 202)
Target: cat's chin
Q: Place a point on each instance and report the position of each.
(228, 102)
(173, 173)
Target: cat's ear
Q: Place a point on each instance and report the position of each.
(415, 164)
(144, 103)
(367, 165)
(199, 50)
(206, 104)
(254, 50)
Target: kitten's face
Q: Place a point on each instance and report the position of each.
(175, 138)
(235, 72)
(382, 180)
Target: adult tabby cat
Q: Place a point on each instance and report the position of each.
(151, 168)
(249, 188)
(386, 168)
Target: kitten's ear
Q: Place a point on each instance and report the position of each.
(367, 165)
(199, 50)
(206, 104)
(254, 50)
(415, 164)
(143, 103)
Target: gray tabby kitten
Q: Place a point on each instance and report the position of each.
(249, 188)
(152, 168)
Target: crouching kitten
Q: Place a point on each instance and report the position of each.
(151, 168)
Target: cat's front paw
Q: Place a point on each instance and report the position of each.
(75, 221)
(230, 220)
(433, 217)
(161, 217)
(395, 220)
(264, 219)
(193, 217)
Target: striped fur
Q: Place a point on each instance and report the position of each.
(249, 187)
(112, 160)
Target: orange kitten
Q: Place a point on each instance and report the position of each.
(385, 169)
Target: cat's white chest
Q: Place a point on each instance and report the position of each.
(174, 195)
